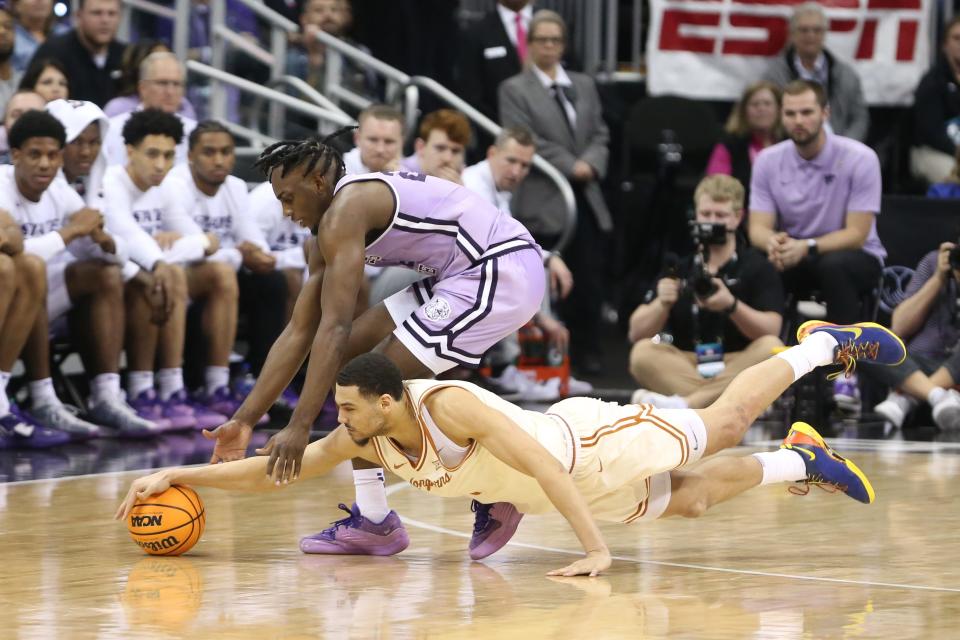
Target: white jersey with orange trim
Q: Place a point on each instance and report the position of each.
(618, 455)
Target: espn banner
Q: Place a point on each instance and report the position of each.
(712, 49)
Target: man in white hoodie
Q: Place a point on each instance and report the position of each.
(84, 164)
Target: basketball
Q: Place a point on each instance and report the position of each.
(169, 523)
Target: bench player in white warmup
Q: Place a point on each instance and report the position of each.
(585, 458)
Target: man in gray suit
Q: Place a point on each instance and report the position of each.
(563, 111)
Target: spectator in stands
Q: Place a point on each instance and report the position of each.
(440, 149)
(18, 104)
(219, 204)
(307, 59)
(563, 111)
(289, 9)
(35, 22)
(48, 77)
(378, 140)
(753, 125)
(731, 329)
(813, 204)
(161, 85)
(936, 110)
(83, 274)
(83, 164)
(949, 188)
(164, 242)
(927, 320)
(9, 75)
(128, 96)
(507, 165)
(808, 59)
(90, 51)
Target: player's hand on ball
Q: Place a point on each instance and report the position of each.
(232, 439)
(142, 488)
(591, 565)
(285, 449)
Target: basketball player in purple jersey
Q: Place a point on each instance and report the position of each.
(484, 280)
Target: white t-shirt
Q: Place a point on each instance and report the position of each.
(479, 179)
(40, 221)
(115, 149)
(137, 215)
(285, 237)
(227, 213)
(353, 164)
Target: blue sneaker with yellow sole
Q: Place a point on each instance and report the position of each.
(864, 341)
(825, 467)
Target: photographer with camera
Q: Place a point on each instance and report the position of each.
(928, 319)
(710, 316)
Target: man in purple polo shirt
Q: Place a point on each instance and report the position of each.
(813, 203)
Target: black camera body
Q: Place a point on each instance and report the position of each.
(705, 235)
(954, 257)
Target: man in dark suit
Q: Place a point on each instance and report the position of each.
(563, 111)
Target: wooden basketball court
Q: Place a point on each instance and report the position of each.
(766, 565)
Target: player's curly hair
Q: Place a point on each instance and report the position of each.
(316, 152)
(35, 124)
(151, 122)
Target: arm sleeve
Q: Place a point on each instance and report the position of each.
(859, 114)
(143, 249)
(865, 190)
(176, 214)
(761, 197)
(597, 153)
(244, 219)
(46, 246)
(292, 258)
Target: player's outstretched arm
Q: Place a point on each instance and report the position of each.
(460, 414)
(250, 474)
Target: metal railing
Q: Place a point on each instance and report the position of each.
(403, 81)
(179, 14)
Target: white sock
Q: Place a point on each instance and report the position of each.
(171, 381)
(371, 494)
(42, 393)
(936, 396)
(216, 377)
(4, 401)
(815, 351)
(105, 386)
(138, 382)
(782, 465)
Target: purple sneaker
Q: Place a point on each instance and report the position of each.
(357, 536)
(493, 526)
(20, 432)
(289, 398)
(148, 407)
(225, 403)
(178, 411)
(204, 417)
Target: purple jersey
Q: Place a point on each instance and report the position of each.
(439, 228)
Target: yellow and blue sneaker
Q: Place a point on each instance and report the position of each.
(825, 467)
(867, 341)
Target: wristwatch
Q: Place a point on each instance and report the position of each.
(812, 249)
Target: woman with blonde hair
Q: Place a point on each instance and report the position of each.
(754, 124)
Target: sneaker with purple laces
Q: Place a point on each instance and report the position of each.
(493, 526)
(357, 536)
(204, 418)
(18, 431)
(147, 405)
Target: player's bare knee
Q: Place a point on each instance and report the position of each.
(691, 499)
(727, 423)
(32, 270)
(178, 282)
(109, 280)
(766, 344)
(225, 280)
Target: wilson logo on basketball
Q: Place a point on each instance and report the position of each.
(146, 521)
(157, 545)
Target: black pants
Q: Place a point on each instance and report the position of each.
(841, 277)
(586, 255)
(263, 304)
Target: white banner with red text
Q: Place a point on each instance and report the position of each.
(712, 49)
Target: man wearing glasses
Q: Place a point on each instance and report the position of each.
(807, 59)
(562, 109)
(161, 86)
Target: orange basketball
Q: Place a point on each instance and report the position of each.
(169, 523)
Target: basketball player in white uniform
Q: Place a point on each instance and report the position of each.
(585, 458)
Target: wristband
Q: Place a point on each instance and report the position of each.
(733, 307)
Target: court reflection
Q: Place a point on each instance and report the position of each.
(164, 593)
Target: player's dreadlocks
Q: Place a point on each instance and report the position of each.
(316, 152)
